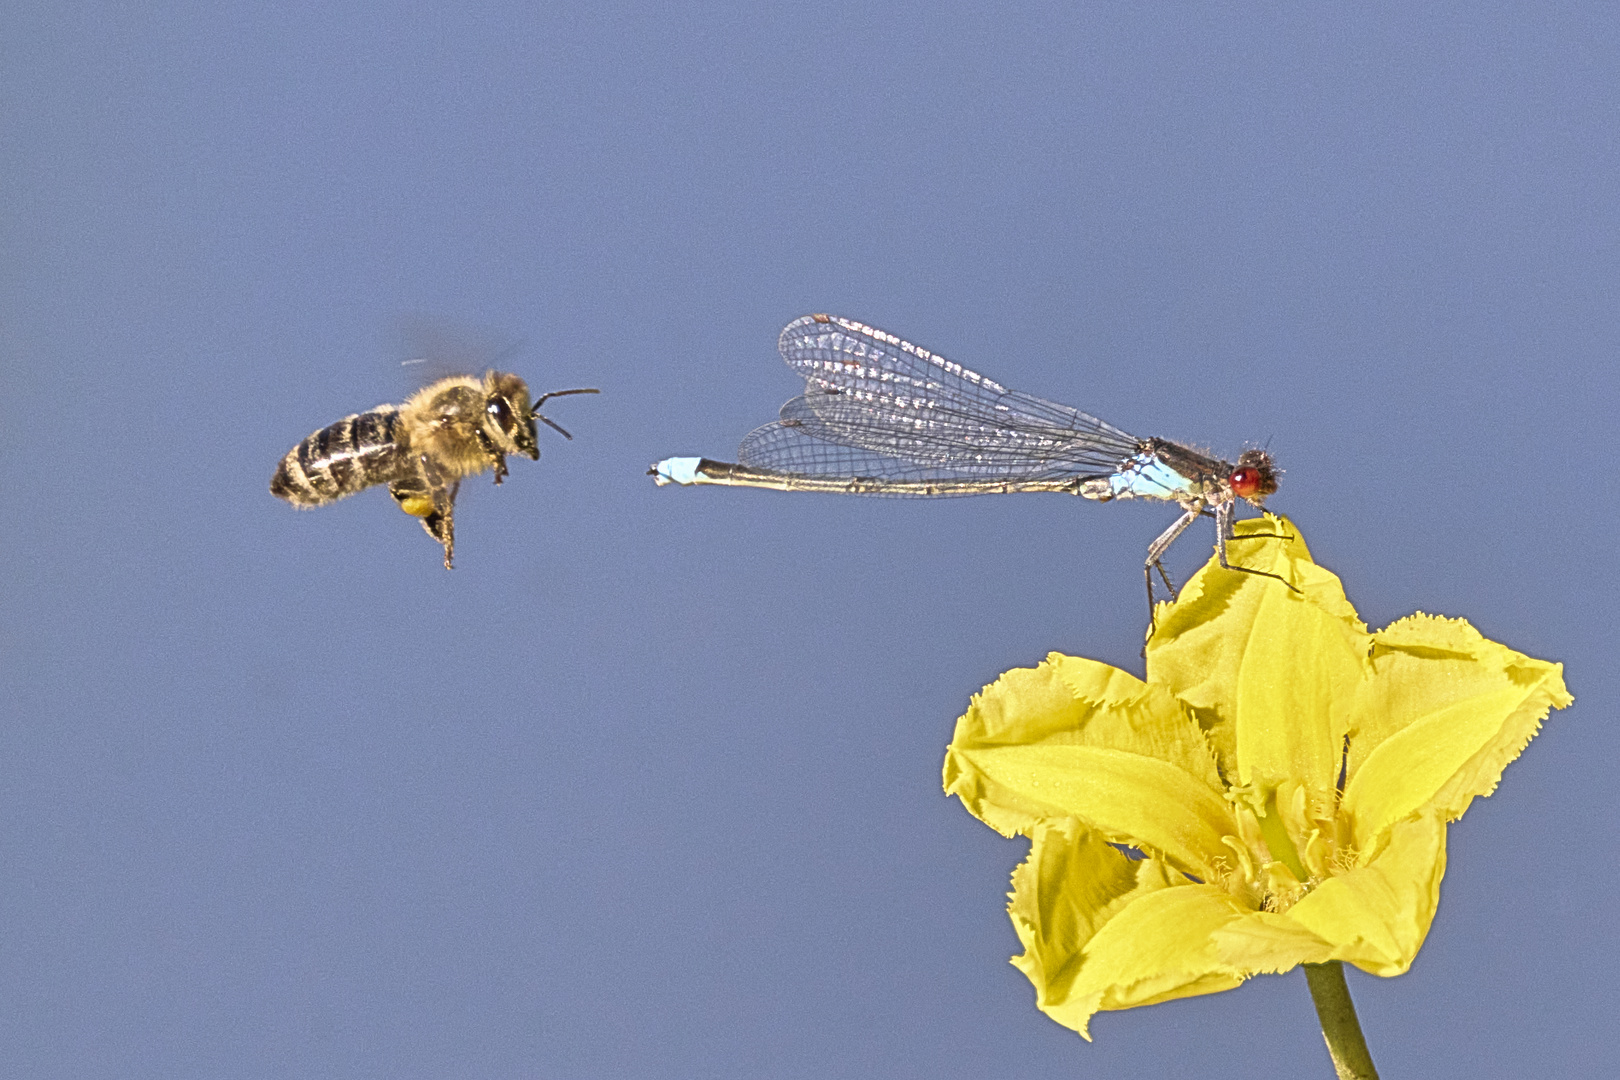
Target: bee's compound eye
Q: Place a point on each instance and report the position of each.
(502, 412)
(1245, 482)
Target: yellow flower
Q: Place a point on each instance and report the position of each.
(1276, 793)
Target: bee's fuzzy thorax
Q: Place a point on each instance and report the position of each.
(441, 420)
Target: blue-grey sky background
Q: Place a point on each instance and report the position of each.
(649, 785)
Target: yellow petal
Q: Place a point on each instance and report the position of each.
(1443, 713)
(1268, 671)
(1078, 702)
(1066, 888)
(1377, 915)
(1160, 946)
(1266, 942)
(1129, 798)
(1075, 738)
(1125, 713)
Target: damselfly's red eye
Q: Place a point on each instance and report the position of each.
(1245, 482)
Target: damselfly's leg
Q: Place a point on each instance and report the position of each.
(1156, 552)
(1261, 536)
(1223, 533)
(1164, 577)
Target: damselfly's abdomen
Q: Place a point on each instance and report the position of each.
(348, 456)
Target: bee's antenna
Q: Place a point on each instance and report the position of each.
(534, 410)
(553, 425)
(561, 393)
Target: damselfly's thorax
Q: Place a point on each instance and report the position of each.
(1169, 471)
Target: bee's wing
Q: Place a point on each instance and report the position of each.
(431, 350)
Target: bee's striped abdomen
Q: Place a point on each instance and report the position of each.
(349, 456)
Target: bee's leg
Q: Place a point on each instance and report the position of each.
(413, 496)
(441, 524)
(488, 446)
(426, 496)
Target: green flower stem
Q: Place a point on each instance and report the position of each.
(1340, 1028)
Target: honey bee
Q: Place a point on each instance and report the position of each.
(457, 427)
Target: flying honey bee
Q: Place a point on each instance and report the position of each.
(457, 427)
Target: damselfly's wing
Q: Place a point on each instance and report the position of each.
(785, 448)
(871, 392)
(943, 437)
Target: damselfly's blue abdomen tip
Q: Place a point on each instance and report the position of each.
(675, 470)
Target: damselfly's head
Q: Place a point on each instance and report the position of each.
(1254, 478)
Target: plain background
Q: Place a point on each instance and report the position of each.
(649, 785)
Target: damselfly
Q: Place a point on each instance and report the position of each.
(881, 416)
